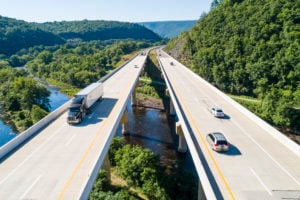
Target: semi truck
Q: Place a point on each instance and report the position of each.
(83, 101)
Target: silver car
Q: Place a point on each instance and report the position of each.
(217, 141)
(217, 112)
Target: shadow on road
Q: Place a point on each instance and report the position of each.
(233, 151)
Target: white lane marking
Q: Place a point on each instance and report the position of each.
(30, 187)
(30, 155)
(273, 159)
(260, 181)
(207, 111)
(91, 115)
(70, 140)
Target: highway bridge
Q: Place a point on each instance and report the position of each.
(261, 162)
(53, 160)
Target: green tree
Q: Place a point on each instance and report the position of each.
(37, 113)
(134, 163)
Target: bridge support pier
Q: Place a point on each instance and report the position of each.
(172, 108)
(124, 122)
(106, 166)
(182, 146)
(133, 98)
(201, 194)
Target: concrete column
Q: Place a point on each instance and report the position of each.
(172, 108)
(106, 166)
(124, 122)
(182, 146)
(133, 98)
(201, 194)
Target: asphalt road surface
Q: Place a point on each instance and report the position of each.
(257, 166)
(57, 162)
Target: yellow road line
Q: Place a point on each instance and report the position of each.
(206, 146)
(75, 171)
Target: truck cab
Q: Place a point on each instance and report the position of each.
(83, 101)
(76, 109)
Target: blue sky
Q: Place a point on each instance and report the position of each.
(119, 10)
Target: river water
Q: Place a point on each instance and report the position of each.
(56, 100)
(153, 129)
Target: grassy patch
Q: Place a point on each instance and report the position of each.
(151, 83)
(63, 87)
(125, 58)
(252, 104)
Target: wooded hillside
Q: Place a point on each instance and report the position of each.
(88, 30)
(17, 34)
(250, 47)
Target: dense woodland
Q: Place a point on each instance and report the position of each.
(67, 54)
(250, 47)
(24, 100)
(88, 30)
(16, 35)
(144, 176)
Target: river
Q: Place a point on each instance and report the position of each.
(56, 100)
(153, 129)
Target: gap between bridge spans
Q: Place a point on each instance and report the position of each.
(206, 147)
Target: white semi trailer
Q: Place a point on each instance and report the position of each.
(83, 101)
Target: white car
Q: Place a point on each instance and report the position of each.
(217, 112)
(217, 141)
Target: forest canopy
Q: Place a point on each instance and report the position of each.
(17, 34)
(250, 47)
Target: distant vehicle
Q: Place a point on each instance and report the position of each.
(217, 141)
(171, 63)
(135, 66)
(83, 101)
(217, 112)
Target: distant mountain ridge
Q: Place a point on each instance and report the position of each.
(169, 29)
(98, 30)
(18, 34)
